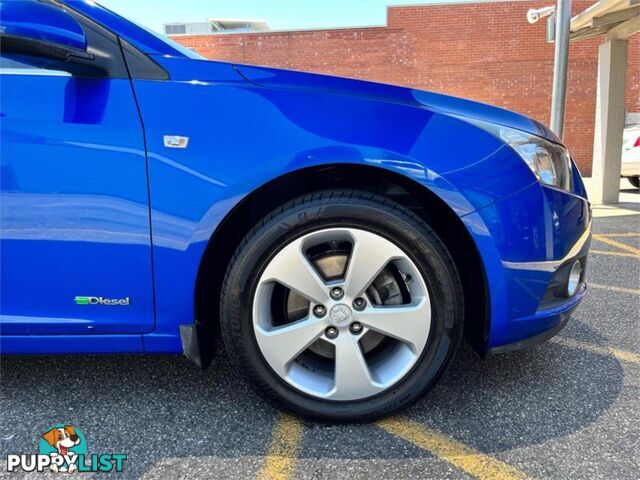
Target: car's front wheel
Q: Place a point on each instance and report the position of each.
(342, 306)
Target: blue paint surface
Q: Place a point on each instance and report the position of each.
(94, 204)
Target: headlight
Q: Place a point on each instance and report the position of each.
(548, 161)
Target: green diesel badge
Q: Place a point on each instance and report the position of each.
(102, 301)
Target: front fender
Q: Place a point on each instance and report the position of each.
(242, 136)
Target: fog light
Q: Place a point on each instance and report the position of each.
(574, 278)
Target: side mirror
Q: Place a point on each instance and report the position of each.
(30, 27)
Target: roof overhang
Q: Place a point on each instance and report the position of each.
(225, 24)
(617, 19)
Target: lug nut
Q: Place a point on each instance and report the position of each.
(319, 311)
(336, 293)
(331, 332)
(356, 328)
(359, 304)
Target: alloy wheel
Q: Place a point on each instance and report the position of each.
(341, 314)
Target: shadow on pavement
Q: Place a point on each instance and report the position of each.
(154, 408)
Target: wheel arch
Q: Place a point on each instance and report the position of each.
(409, 193)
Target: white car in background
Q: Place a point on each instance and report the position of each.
(631, 154)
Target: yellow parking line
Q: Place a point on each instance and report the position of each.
(633, 291)
(589, 347)
(471, 461)
(615, 243)
(280, 461)
(620, 234)
(604, 211)
(615, 254)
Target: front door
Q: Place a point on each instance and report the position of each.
(75, 249)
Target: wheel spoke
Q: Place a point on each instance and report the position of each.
(352, 376)
(409, 324)
(369, 256)
(291, 268)
(282, 345)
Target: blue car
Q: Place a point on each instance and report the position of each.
(340, 237)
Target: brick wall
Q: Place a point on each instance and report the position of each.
(482, 51)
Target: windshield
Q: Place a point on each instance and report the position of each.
(183, 50)
(143, 38)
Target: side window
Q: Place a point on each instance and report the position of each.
(70, 43)
(14, 61)
(74, 45)
(35, 34)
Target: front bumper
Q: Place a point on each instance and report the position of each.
(558, 317)
(527, 242)
(556, 306)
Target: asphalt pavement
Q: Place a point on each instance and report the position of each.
(569, 409)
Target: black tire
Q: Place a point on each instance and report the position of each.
(635, 181)
(332, 209)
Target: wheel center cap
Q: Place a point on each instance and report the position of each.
(340, 315)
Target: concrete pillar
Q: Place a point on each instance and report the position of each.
(610, 115)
